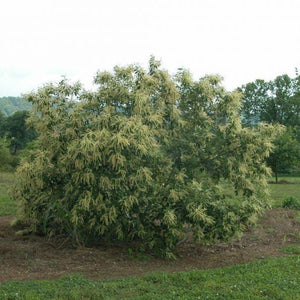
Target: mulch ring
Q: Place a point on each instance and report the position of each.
(35, 257)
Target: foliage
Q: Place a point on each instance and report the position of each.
(286, 153)
(144, 158)
(291, 202)
(276, 101)
(13, 116)
(29, 149)
(276, 278)
(17, 131)
(7, 161)
(2, 123)
(10, 105)
(255, 95)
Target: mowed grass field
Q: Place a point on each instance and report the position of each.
(272, 278)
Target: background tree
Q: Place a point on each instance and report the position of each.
(7, 161)
(286, 154)
(254, 101)
(145, 158)
(16, 129)
(276, 102)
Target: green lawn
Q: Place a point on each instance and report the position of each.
(281, 191)
(277, 278)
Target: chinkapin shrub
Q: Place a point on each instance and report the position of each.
(146, 158)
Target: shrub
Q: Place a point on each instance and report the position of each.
(144, 158)
(291, 202)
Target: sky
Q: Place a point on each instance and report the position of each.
(242, 40)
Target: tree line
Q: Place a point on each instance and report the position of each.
(276, 102)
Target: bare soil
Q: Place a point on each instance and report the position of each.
(34, 257)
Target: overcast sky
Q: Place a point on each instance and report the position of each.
(242, 40)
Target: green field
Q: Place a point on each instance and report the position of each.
(277, 278)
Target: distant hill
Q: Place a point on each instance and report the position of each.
(9, 105)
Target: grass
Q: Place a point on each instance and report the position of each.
(291, 249)
(277, 278)
(7, 205)
(282, 191)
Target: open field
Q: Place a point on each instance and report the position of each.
(269, 275)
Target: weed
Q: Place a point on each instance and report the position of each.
(291, 249)
(138, 255)
(291, 202)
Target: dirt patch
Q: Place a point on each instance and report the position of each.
(33, 257)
